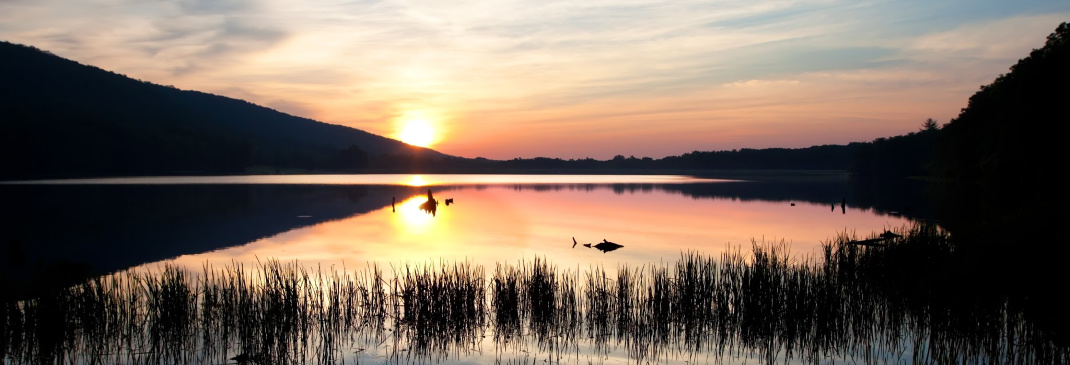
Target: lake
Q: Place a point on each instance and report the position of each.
(330, 219)
(504, 269)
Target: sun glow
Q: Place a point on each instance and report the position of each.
(416, 180)
(411, 218)
(417, 132)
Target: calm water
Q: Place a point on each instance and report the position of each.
(350, 269)
(352, 220)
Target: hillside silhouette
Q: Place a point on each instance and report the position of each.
(1001, 155)
(1004, 137)
(59, 118)
(997, 160)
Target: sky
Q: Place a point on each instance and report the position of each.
(570, 79)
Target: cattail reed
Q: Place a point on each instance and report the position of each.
(900, 301)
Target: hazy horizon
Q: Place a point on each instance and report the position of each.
(562, 80)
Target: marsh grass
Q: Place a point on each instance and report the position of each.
(438, 311)
(901, 302)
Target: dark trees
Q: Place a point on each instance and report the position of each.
(1006, 138)
(352, 158)
(905, 155)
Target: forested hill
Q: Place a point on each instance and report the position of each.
(1004, 141)
(59, 118)
(1007, 136)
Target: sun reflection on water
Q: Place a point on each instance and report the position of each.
(410, 219)
(416, 180)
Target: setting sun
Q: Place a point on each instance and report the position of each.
(417, 132)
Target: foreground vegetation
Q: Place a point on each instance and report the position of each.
(889, 302)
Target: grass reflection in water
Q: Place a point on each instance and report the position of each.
(856, 303)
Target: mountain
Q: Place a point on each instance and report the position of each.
(59, 118)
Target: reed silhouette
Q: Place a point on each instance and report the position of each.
(900, 302)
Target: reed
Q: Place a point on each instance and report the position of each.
(898, 302)
(439, 311)
(505, 301)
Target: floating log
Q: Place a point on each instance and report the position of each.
(431, 205)
(606, 246)
(874, 242)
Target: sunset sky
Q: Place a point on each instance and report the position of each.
(570, 79)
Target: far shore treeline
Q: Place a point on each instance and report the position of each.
(61, 119)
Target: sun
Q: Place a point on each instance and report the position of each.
(417, 132)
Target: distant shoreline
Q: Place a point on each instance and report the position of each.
(749, 175)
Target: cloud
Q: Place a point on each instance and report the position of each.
(152, 40)
(212, 7)
(760, 83)
(988, 40)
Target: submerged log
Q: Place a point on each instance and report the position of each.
(874, 242)
(606, 246)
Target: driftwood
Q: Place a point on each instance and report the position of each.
(877, 242)
(873, 242)
(431, 205)
(606, 246)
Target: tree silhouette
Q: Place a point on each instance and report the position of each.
(929, 125)
(1005, 138)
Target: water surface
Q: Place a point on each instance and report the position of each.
(116, 223)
